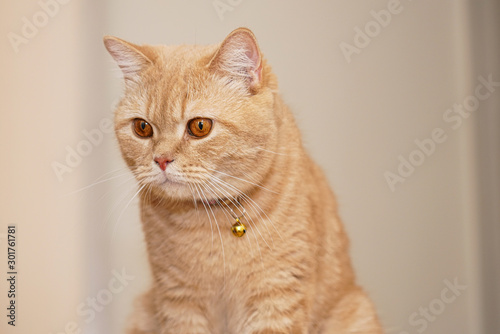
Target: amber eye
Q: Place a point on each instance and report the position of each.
(199, 127)
(142, 128)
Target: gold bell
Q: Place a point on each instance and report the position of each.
(238, 228)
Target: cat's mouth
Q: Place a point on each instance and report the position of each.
(171, 181)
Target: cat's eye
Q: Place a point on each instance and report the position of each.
(199, 127)
(142, 128)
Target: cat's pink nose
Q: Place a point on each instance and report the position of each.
(163, 162)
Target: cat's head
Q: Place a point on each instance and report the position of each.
(196, 121)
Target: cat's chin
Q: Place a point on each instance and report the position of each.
(170, 189)
(182, 191)
(169, 183)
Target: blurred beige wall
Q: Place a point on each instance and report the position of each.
(361, 110)
(41, 102)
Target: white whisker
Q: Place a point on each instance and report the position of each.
(115, 207)
(250, 219)
(126, 206)
(263, 149)
(220, 236)
(208, 215)
(119, 185)
(248, 198)
(95, 183)
(227, 213)
(257, 185)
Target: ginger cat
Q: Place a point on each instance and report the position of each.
(242, 229)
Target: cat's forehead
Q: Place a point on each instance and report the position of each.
(181, 101)
(184, 57)
(182, 87)
(179, 88)
(182, 68)
(176, 67)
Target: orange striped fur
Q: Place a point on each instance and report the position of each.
(290, 272)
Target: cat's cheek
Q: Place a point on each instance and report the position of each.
(136, 152)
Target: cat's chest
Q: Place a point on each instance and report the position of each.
(203, 245)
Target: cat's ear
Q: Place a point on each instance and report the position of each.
(131, 58)
(239, 57)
